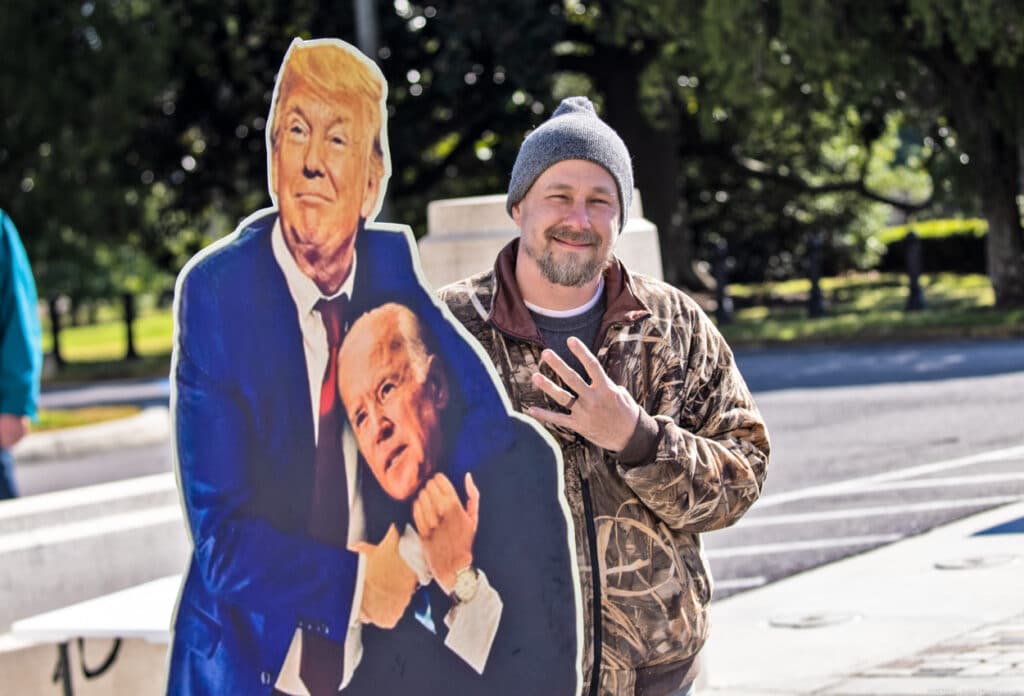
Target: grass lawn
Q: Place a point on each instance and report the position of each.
(95, 352)
(70, 418)
(108, 340)
(870, 307)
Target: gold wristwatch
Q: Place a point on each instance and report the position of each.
(467, 580)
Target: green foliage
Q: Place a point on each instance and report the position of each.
(137, 131)
(946, 72)
(75, 96)
(80, 372)
(466, 82)
(935, 229)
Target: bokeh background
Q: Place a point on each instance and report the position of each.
(763, 132)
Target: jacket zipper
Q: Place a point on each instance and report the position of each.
(595, 575)
(595, 565)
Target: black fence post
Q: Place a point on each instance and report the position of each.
(915, 298)
(53, 306)
(723, 302)
(816, 300)
(128, 302)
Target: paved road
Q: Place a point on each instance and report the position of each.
(108, 465)
(141, 392)
(789, 368)
(98, 467)
(892, 443)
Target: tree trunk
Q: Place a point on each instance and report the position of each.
(129, 318)
(51, 305)
(994, 146)
(1004, 251)
(74, 314)
(656, 170)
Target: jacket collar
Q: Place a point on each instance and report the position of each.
(510, 315)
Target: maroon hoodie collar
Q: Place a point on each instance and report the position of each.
(510, 315)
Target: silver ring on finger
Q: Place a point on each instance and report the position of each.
(571, 402)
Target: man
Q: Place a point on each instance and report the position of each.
(266, 471)
(497, 612)
(660, 437)
(21, 354)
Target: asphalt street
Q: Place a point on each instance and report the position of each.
(96, 467)
(872, 445)
(141, 392)
(869, 445)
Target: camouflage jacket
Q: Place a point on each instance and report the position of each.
(642, 522)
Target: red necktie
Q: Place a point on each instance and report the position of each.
(322, 663)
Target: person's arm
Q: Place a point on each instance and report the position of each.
(703, 472)
(446, 532)
(20, 349)
(243, 559)
(698, 474)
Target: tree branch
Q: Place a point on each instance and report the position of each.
(859, 186)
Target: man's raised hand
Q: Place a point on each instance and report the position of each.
(603, 412)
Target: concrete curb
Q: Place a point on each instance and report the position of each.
(150, 426)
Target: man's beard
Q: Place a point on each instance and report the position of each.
(575, 270)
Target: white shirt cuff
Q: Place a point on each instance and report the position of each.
(472, 625)
(410, 548)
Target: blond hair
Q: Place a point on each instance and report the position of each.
(336, 71)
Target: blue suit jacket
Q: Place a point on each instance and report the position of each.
(245, 451)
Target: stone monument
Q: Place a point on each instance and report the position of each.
(464, 235)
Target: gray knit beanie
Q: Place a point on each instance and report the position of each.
(574, 131)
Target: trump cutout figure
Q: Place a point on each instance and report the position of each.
(316, 569)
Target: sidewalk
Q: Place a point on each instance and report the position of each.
(942, 613)
(149, 426)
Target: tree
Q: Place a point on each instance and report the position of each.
(77, 91)
(949, 71)
(153, 136)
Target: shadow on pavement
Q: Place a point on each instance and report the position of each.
(773, 369)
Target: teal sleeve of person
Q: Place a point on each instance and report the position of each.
(21, 354)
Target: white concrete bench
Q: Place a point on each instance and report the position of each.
(64, 547)
(137, 620)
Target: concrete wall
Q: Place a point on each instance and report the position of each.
(465, 234)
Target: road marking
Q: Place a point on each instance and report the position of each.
(87, 529)
(973, 480)
(87, 495)
(810, 545)
(895, 509)
(740, 583)
(875, 479)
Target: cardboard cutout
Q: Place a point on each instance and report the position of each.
(406, 533)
